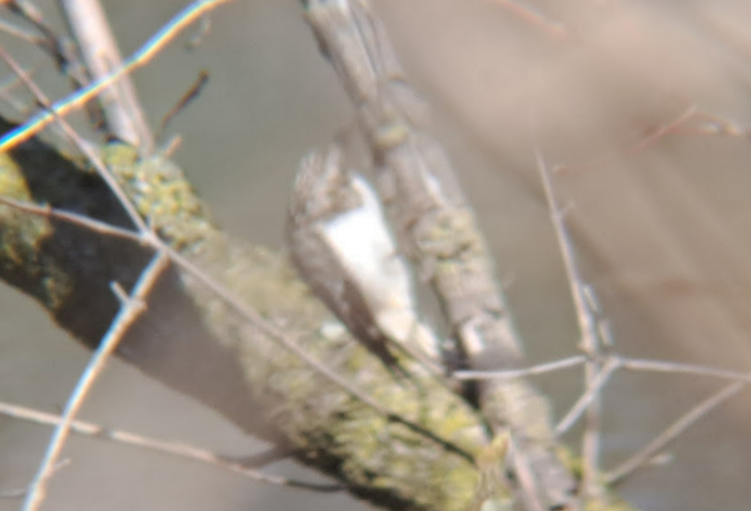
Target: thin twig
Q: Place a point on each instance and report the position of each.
(19, 32)
(657, 366)
(17, 493)
(187, 98)
(129, 312)
(93, 157)
(75, 219)
(140, 58)
(6, 92)
(123, 112)
(171, 448)
(535, 370)
(20, 493)
(535, 17)
(614, 362)
(59, 47)
(645, 142)
(664, 129)
(595, 385)
(260, 459)
(589, 337)
(628, 467)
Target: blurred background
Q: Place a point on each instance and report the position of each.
(660, 223)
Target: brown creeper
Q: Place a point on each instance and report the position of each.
(343, 250)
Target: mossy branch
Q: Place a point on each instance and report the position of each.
(193, 341)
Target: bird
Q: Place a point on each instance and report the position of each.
(343, 250)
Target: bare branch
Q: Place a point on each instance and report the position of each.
(188, 97)
(82, 145)
(661, 366)
(589, 340)
(73, 218)
(140, 58)
(59, 47)
(535, 370)
(19, 32)
(591, 392)
(443, 236)
(123, 112)
(180, 450)
(130, 310)
(628, 467)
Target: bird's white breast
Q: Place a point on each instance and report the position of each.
(366, 249)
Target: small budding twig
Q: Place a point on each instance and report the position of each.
(187, 98)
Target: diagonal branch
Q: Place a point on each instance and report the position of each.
(196, 343)
(701, 410)
(131, 308)
(442, 235)
(122, 110)
(588, 327)
(180, 450)
(139, 59)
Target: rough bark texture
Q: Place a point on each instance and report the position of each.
(195, 343)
